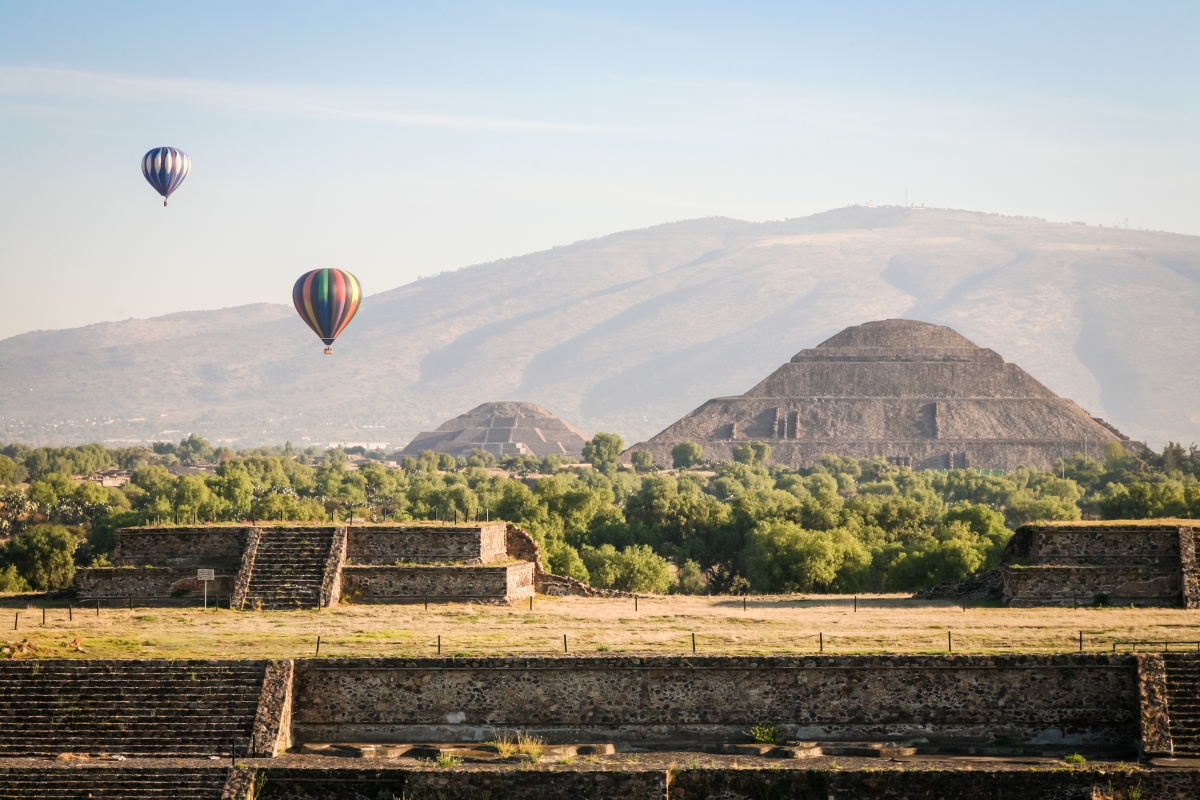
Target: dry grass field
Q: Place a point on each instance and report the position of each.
(660, 625)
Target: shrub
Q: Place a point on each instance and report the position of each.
(637, 568)
(642, 460)
(752, 453)
(44, 556)
(689, 579)
(765, 734)
(684, 454)
(10, 581)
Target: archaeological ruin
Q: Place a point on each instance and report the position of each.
(1118, 563)
(605, 725)
(917, 394)
(652, 728)
(288, 566)
(502, 429)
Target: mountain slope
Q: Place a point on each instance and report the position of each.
(630, 331)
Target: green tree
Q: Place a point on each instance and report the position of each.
(752, 453)
(636, 568)
(50, 488)
(783, 557)
(11, 580)
(44, 556)
(642, 460)
(11, 472)
(689, 579)
(481, 458)
(603, 450)
(685, 454)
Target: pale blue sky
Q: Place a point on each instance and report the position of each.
(398, 140)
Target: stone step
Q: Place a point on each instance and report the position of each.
(111, 784)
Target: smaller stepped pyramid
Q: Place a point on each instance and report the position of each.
(502, 429)
(918, 394)
(287, 566)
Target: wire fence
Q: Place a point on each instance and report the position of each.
(962, 642)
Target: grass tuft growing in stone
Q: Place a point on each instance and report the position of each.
(530, 745)
(505, 744)
(765, 734)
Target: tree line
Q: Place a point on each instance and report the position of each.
(844, 525)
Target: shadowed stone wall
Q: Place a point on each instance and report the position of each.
(200, 546)
(385, 545)
(1122, 563)
(485, 584)
(1035, 699)
(154, 583)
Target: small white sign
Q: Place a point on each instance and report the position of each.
(205, 575)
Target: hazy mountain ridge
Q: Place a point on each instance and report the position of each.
(630, 331)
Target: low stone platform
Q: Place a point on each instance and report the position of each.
(1147, 563)
(304, 565)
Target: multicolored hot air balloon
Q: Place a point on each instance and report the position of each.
(327, 299)
(165, 168)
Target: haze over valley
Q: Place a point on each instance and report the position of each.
(627, 332)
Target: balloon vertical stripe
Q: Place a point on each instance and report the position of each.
(327, 299)
(165, 168)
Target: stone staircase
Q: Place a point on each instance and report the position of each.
(1183, 702)
(146, 708)
(288, 568)
(112, 783)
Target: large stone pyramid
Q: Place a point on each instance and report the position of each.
(503, 429)
(918, 394)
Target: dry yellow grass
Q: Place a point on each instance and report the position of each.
(661, 625)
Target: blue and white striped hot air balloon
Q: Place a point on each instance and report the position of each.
(165, 168)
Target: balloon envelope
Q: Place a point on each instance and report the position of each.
(165, 168)
(327, 299)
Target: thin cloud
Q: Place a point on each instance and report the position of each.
(293, 101)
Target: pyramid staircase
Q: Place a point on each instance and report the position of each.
(112, 783)
(289, 567)
(1183, 702)
(147, 708)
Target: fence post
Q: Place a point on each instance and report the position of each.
(70, 612)
(43, 616)
(16, 620)
(318, 644)
(1081, 641)
(855, 604)
(97, 607)
(635, 602)
(693, 642)
(564, 643)
(439, 644)
(822, 640)
(949, 642)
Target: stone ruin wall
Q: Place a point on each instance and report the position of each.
(373, 563)
(386, 545)
(200, 546)
(1084, 699)
(149, 583)
(1121, 564)
(481, 584)
(1031, 587)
